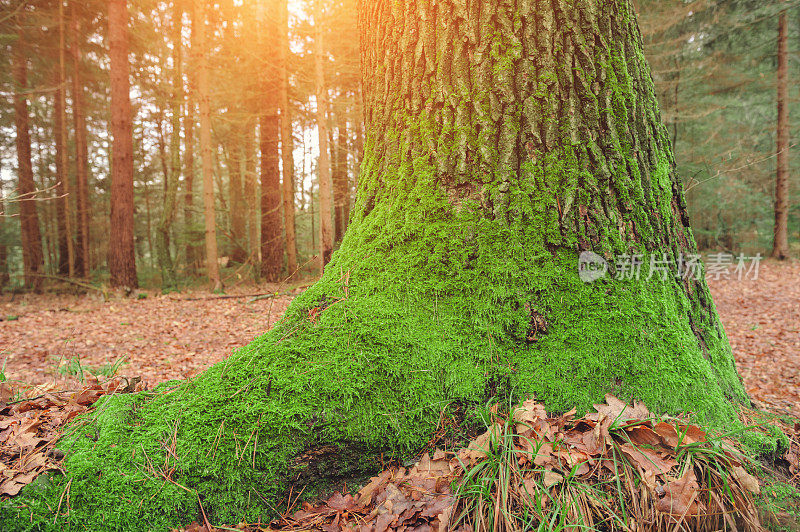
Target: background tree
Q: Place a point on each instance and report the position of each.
(83, 248)
(169, 280)
(326, 230)
(66, 251)
(287, 141)
(271, 237)
(33, 260)
(212, 264)
(780, 246)
(121, 255)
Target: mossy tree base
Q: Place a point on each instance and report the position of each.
(356, 375)
(504, 138)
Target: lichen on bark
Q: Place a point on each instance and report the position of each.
(504, 139)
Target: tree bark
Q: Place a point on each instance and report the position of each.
(32, 254)
(169, 280)
(326, 232)
(121, 251)
(340, 180)
(287, 144)
(271, 234)
(780, 243)
(189, 233)
(83, 263)
(359, 140)
(252, 198)
(238, 209)
(4, 277)
(212, 257)
(66, 251)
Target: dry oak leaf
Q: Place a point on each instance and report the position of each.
(679, 497)
(619, 411)
(648, 459)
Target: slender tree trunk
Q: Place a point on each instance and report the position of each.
(66, 251)
(212, 257)
(324, 165)
(169, 280)
(271, 233)
(4, 276)
(188, 194)
(32, 254)
(121, 251)
(780, 245)
(252, 198)
(236, 168)
(189, 234)
(287, 144)
(83, 263)
(340, 181)
(359, 140)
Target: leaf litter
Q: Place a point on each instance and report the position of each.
(618, 468)
(30, 427)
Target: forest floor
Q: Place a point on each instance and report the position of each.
(48, 340)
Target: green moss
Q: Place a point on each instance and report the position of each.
(779, 506)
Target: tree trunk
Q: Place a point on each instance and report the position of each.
(189, 233)
(359, 140)
(326, 232)
(252, 198)
(236, 167)
(271, 234)
(780, 243)
(83, 263)
(287, 143)
(212, 257)
(121, 252)
(503, 141)
(340, 181)
(32, 254)
(169, 280)
(4, 277)
(66, 251)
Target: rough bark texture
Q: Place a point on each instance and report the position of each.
(502, 139)
(287, 144)
(121, 251)
(32, 254)
(780, 245)
(326, 232)
(271, 231)
(212, 260)
(83, 263)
